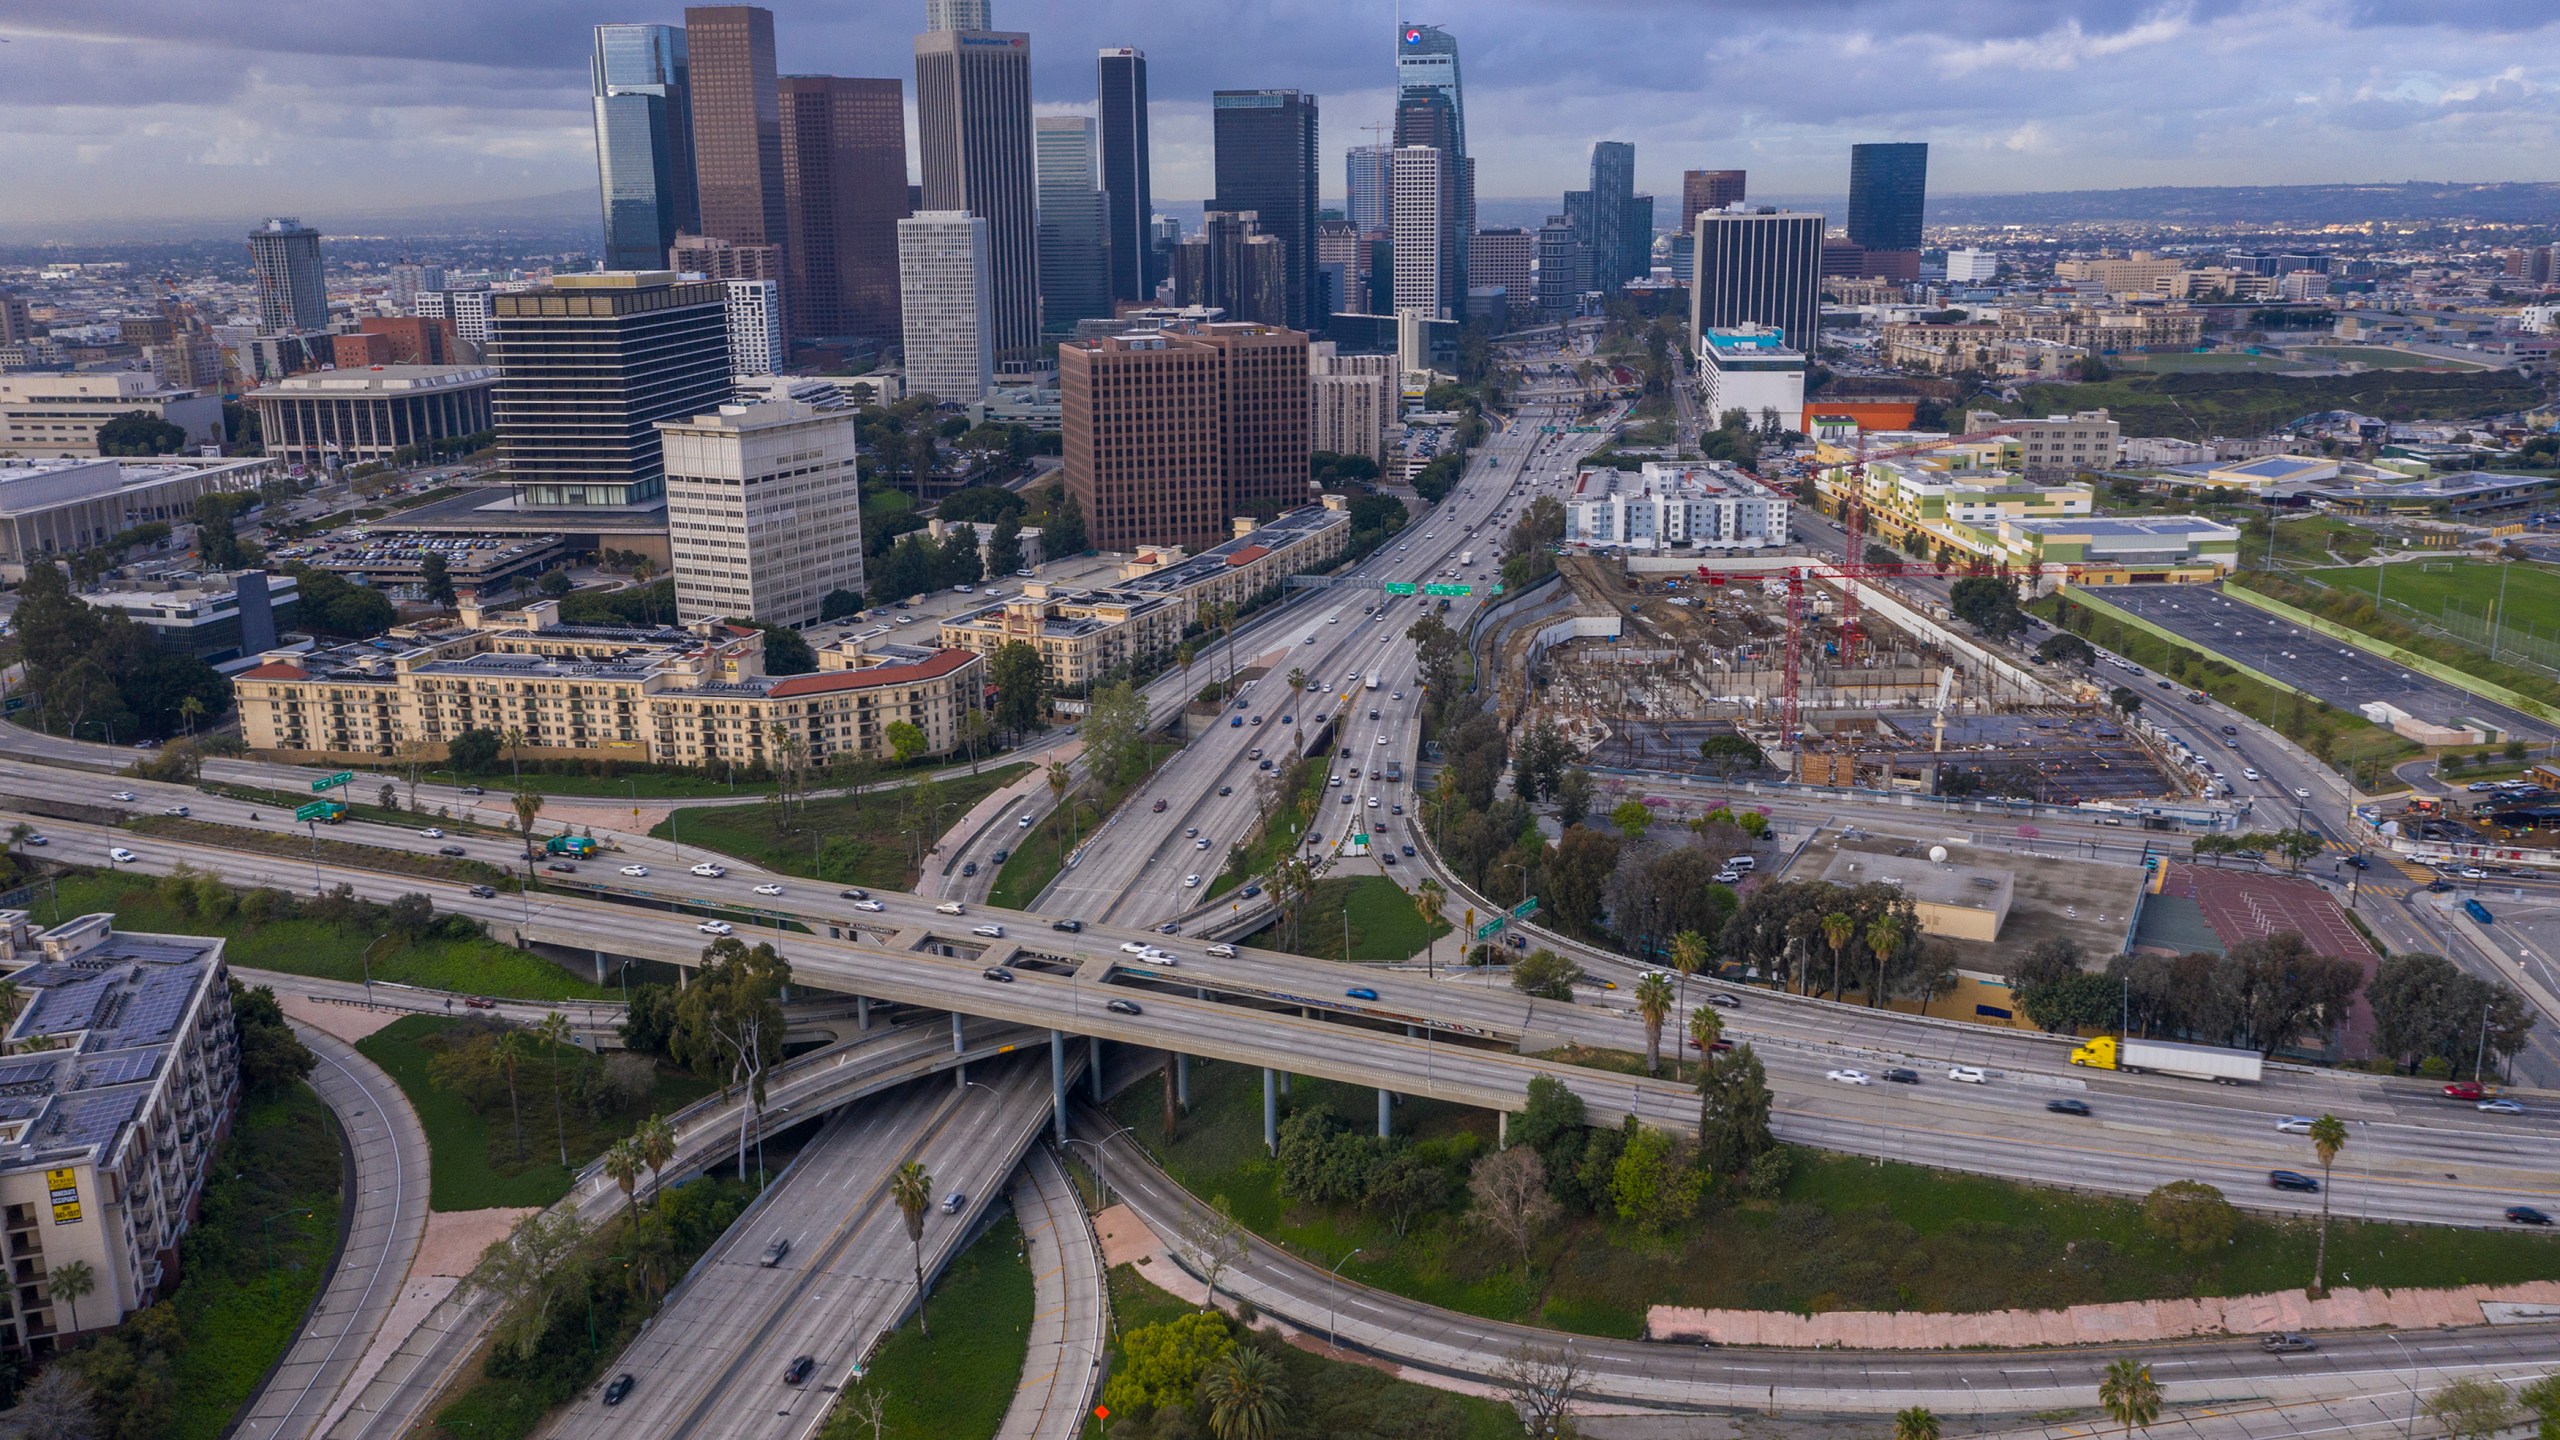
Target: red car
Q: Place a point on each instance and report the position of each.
(1719, 1047)
(476, 1002)
(2465, 1090)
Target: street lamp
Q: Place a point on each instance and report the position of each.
(1331, 1276)
(1101, 1173)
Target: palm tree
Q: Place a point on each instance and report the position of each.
(189, 707)
(2328, 1137)
(655, 1141)
(1688, 956)
(1245, 1397)
(1430, 899)
(1883, 937)
(508, 1056)
(20, 832)
(11, 1002)
(527, 805)
(1916, 1423)
(1706, 1027)
(2129, 1395)
(1837, 930)
(69, 1281)
(1653, 1002)
(912, 1188)
(623, 1164)
(553, 1032)
(515, 748)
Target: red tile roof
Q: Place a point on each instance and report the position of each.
(275, 670)
(943, 663)
(1248, 554)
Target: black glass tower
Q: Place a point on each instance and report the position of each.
(1888, 190)
(1266, 164)
(1125, 188)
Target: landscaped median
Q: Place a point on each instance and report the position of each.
(1043, 849)
(956, 1383)
(860, 839)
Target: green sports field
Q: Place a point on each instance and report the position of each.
(2468, 587)
(2378, 358)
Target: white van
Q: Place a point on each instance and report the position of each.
(1743, 863)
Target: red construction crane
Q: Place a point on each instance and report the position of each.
(1790, 694)
(1853, 514)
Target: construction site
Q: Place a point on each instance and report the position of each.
(1640, 661)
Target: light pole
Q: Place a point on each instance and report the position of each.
(1331, 1277)
(366, 959)
(1101, 1172)
(2480, 1051)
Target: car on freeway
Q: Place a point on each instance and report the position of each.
(2287, 1342)
(484, 892)
(451, 850)
(798, 1370)
(1191, 882)
(619, 1388)
(775, 1249)
(1361, 992)
(178, 810)
(2527, 1215)
(2292, 1180)
(716, 927)
(1170, 927)
(854, 893)
(1724, 1001)
(1903, 1077)
(473, 790)
(2465, 1090)
(2294, 1125)
(2068, 1107)
(709, 871)
(768, 889)
(990, 931)
(1200, 844)
(635, 870)
(1124, 1007)
(870, 906)
(1252, 890)
(2499, 1107)
(431, 833)
(2299, 793)
(1072, 927)
(1848, 1077)
(125, 795)
(36, 840)
(1023, 820)
(951, 907)
(952, 1202)
(1158, 807)
(2249, 773)
(478, 1002)
(562, 867)
(997, 973)
(1226, 790)
(1154, 956)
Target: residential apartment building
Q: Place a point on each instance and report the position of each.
(756, 342)
(48, 416)
(292, 299)
(347, 417)
(2057, 446)
(122, 1072)
(1171, 433)
(694, 697)
(764, 511)
(1693, 507)
(54, 507)
(1948, 348)
(466, 310)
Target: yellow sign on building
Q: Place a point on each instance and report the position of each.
(65, 1187)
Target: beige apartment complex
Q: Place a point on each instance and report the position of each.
(695, 696)
(2056, 447)
(2138, 274)
(1351, 401)
(1955, 347)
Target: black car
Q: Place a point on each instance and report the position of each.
(997, 973)
(1252, 890)
(620, 1386)
(798, 1370)
(1001, 855)
(476, 790)
(971, 868)
(1170, 927)
(1124, 1007)
(1407, 849)
(563, 866)
(1226, 789)
(1902, 1077)
(2067, 1107)
(2359, 862)
(2438, 887)
(1723, 1001)
(1072, 927)
(2527, 1215)
(856, 893)
(451, 850)
(2292, 1180)
(484, 892)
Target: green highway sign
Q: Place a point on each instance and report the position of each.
(343, 777)
(1400, 587)
(1486, 930)
(1446, 590)
(316, 810)
(1525, 908)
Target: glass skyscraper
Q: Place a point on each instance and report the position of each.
(1265, 144)
(1888, 190)
(1075, 234)
(644, 142)
(1126, 189)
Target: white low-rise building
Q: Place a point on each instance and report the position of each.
(57, 416)
(1749, 368)
(54, 507)
(1697, 507)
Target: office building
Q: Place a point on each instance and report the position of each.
(756, 340)
(692, 696)
(217, 618)
(1266, 163)
(1888, 191)
(409, 278)
(644, 142)
(707, 257)
(292, 298)
(352, 416)
(947, 296)
(1351, 401)
(764, 511)
(1075, 238)
(123, 1073)
(1636, 237)
(737, 126)
(412, 340)
(1431, 110)
(1688, 507)
(467, 311)
(1127, 191)
(17, 326)
(1758, 267)
(57, 507)
(1367, 170)
(588, 367)
(1564, 270)
(844, 190)
(957, 15)
(1422, 261)
(1172, 433)
(2058, 447)
(1749, 368)
(1972, 267)
(1702, 190)
(1507, 258)
(1613, 188)
(973, 126)
(1232, 269)
(57, 415)
(1338, 242)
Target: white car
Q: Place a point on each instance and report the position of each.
(715, 927)
(432, 833)
(1190, 882)
(1968, 1075)
(768, 889)
(1132, 947)
(872, 906)
(636, 872)
(1848, 1077)
(122, 856)
(2294, 1125)
(1023, 820)
(125, 795)
(2247, 773)
(2301, 794)
(1154, 956)
(1223, 952)
(709, 871)
(952, 907)
(1200, 844)
(992, 932)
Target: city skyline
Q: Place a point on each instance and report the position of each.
(250, 109)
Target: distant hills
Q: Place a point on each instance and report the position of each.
(2274, 205)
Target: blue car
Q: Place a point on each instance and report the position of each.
(1361, 992)
(1288, 719)
(1252, 890)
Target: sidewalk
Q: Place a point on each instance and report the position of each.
(1069, 1310)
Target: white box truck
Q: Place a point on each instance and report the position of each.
(2194, 1062)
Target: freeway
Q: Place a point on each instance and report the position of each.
(711, 1364)
(2411, 1159)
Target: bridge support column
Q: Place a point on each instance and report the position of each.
(1284, 1084)
(1058, 1085)
(1501, 1129)
(599, 967)
(1182, 1080)
(1270, 1111)
(1093, 1064)
(1386, 1113)
(862, 1013)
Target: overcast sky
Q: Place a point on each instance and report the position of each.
(165, 108)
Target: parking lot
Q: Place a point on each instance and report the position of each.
(2310, 662)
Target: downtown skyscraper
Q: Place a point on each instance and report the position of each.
(644, 142)
(292, 298)
(1888, 192)
(1367, 171)
(844, 184)
(1757, 267)
(973, 124)
(737, 124)
(1266, 164)
(1431, 113)
(1128, 196)
(1075, 238)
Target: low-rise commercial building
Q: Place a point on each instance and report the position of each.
(695, 696)
(1950, 499)
(1696, 507)
(2100, 550)
(216, 618)
(348, 417)
(45, 416)
(54, 507)
(118, 1081)
(1749, 368)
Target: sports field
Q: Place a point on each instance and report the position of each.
(2461, 587)
(2188, 362)
(2374, 357)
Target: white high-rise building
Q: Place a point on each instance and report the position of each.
(949, 305)
(1414, 222)
(756, 346)
(467, 309)
(1972, 267)
(1351, 401)
(958, 15)
(409, 278)
(764, 511)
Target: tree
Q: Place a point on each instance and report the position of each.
(473, 752)
(2542, 1397)
(1884, 940)
(1653, 1003)
(506, 1058)
(1429, 899)
(1542, 1383)
(1021, 681)
(2328, 1137)
(2063, 647)
(1578, 874)
(1115, 725)
(1401, 1184)
(57, 1405)
(1572, 797)
(1210, 1244)
(1546, 975)
(2424, 1006)
(1838, 929)
(139, 432)
(729, 1023)
(2190, 1215)
(1508, 1189)
(1245, 1396)
(1915, 1423)
(2125, 700)
(1988, 604)
(1633, 818)
(553, 1032)
(555, 582)
(435, 578)
(1540, 760)
(906, 740)
(1729, 754)
(1064, 535)
(2129, 1395)
(1733, 1111)
(912, 1190)
(655, 1140)
(527, 804)
(2471, 1409)
(272, 1058)
(622, 1165)
(526, 1274)
(1654, 1185)
(69, 1283)
(1161, 1364)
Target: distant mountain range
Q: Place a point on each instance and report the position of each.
(2528, 203)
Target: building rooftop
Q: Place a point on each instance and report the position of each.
(377, 380)
(1678, 482)
(112, 1007)
(2179, 528)
(28, 485)
(1927, 882)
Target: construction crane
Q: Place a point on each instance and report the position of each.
(1938, 727)
(1853, 513)
(1794, 577)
